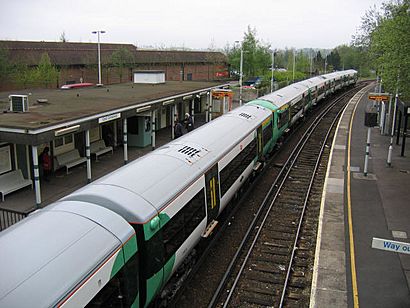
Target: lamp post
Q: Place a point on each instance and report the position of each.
(273, 67)
(240, 74)
(294, 66)
(99, 55)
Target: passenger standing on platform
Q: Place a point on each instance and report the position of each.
(189, 123)
(178, 129)
(45, 163)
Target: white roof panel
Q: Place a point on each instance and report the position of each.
(156, 178)
(40, 252)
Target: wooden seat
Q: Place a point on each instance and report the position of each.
(98, 148)
(13, 181)
(70, 159)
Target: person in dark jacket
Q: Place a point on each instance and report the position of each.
(178, 129)
(189, 123)
(45, 163)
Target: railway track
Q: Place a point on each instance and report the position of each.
(273, 264)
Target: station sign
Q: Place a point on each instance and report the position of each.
(392, 246)
(110, 117)
(379, 96)
(221, 93)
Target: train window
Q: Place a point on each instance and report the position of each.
(283, 118)
(178, 229)
(121, 290)
(234, 169)
(296, 108)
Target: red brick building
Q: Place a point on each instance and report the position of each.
(77, 62)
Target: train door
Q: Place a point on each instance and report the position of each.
(260, 142)
(212, 193)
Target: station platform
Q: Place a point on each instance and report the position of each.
(355, 209)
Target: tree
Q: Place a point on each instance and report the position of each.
(385, 34)
(256, 55)
(333, 59)
(23, 75)
(5, 67)
(122, 58)
(319, 62)
(63, 37)
(370, 21)
(46, 73)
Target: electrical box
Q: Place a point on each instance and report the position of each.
(370, 116)
(18, 103)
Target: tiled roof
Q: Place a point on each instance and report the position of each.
(170, 56)
(63, 54)
(66, 54)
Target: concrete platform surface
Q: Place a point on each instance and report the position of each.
(380, 207)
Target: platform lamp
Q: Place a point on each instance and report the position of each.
(99, 55)
(273, 68)
(240, 74)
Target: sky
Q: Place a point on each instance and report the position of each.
(194, 24)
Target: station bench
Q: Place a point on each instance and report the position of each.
(12, 181)
(70, 159)
(98, 148)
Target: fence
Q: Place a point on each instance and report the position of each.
(10, 217)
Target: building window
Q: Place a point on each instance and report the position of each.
(58, 142)
(65, 140)
(5, 159)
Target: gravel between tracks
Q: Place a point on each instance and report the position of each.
(202, 286)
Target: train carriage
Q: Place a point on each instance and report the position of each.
(181, 188)
(118, 240)
(64, 254)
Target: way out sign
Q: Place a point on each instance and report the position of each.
(389, 245)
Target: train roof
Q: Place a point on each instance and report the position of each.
(139, 190)
(313, 82)
(338, 74)
(41, 262)
(295, 91)
(285, 95)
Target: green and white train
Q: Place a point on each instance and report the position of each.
(117, 241)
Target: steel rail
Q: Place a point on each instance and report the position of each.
(286, 168)
(305, 204)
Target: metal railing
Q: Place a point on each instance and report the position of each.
(9, 217)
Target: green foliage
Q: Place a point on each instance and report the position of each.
(46, 74)
(256, 55)
(257, 60)
(385, 34)
(23, 75)
(122, 58)
(5, 67)
(287, 76)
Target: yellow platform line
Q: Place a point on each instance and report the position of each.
(349, 211)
